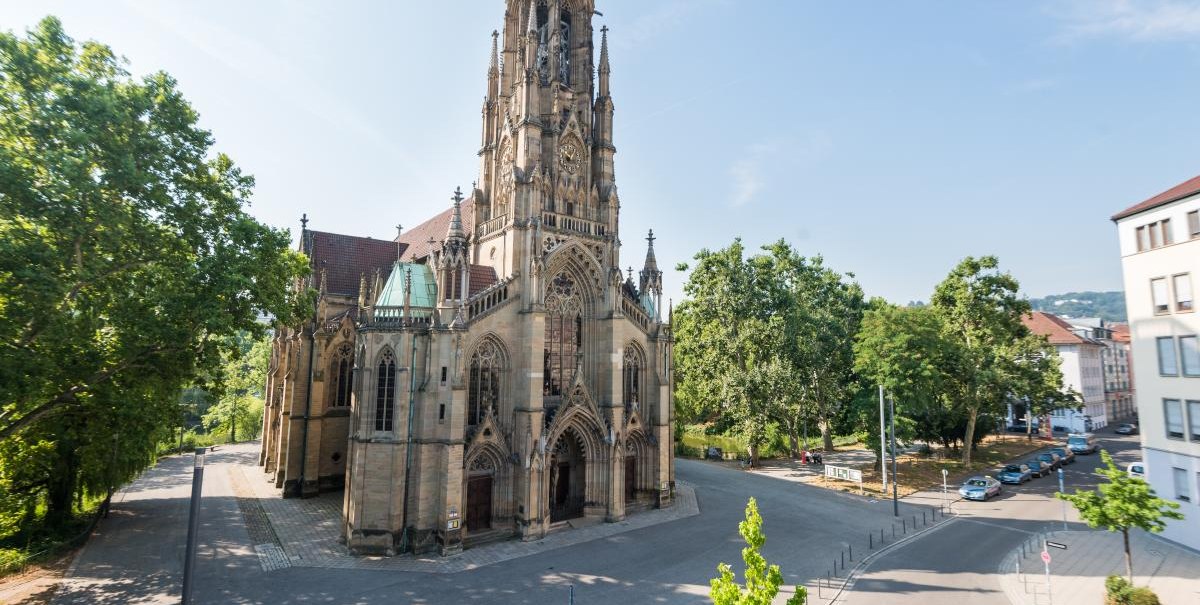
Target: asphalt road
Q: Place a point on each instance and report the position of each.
(137, 555)
(959, 562)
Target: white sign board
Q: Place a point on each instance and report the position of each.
(843, 473)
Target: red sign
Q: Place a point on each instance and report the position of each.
(1045, 557)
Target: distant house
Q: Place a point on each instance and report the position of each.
(1083, 373)
(1118, 377)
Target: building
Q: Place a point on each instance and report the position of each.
(1118, 381)
(491, 373)
(1127, 406)
(1082, 370)
(1160, 257)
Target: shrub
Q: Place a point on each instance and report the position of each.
(1143, 596)
(1121, 592)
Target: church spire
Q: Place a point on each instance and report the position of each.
(455, 231)
(650, 288)
(604, 68)
(494, 68)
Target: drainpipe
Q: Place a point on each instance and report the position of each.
(412, 388)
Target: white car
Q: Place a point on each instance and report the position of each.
(1136, 469)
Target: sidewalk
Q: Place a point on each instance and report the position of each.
(1077, 574)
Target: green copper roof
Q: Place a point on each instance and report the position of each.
(648, 304)
(424, 291)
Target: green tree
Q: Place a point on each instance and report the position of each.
(762, 580)
(127, 262)
(1122, 503)
(239, 407)
(981, 312)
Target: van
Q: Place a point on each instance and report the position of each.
(1136, 469)
(1082, 443)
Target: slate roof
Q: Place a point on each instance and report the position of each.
(1054, 328)
(417, 238)
(1178, 192)
(345, 258)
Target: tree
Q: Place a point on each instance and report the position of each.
(981, 314)
(1121, 503)
(239, 406)
(127, 261)
(762, 580)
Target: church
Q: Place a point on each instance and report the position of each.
(492, 373)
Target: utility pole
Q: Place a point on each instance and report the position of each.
(882, 446)
(895, 487)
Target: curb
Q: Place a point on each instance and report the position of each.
(866, 561)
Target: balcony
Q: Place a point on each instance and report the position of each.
(573, 224)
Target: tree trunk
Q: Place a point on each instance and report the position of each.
(969, 438)
(794, 439)
(60, 490)
(753, 454)
(826, 435)
(1128, 557)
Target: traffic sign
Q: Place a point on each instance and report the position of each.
(1045, 557)
(1056, 545)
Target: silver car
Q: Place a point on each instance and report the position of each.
(979, 487)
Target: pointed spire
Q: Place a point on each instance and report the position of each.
(494, 68)
(604, 68)
(456, 226)
(651, 262)
(532, 17)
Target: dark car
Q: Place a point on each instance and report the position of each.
(1068, 457)
(1037, 467)
(1127, 429)
(1051, 459)
(1020, 427)
(714, 453)
(1015, 474)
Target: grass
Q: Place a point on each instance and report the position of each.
(919, 472)
(39, 543)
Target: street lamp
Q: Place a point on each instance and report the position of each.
(189, 557)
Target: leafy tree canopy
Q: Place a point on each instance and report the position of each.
(762, 580)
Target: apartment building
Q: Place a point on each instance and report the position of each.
(1160, 259)
(1118, 380)
(1082, 370)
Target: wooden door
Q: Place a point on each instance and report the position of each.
(630, 478)
(479, 503)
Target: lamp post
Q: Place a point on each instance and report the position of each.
(882, 447)
(895, 482)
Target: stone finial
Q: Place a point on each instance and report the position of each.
(304, 221)
(455, 230)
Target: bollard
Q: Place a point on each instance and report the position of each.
(893, 531)
(851, 547)
(834, 568)
(881, 542)
(904, 526)
(843, 560)
(870, 541)
(914, 522)
(924, 523)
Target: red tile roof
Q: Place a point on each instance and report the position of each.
(482, 276)
(1054, 328)
(1120, 332)
(1178, 192)
(418, 237)
(345, 258)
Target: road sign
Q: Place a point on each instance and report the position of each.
(1045, 557)
(1056, 545)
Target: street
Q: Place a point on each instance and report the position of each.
(959, 562)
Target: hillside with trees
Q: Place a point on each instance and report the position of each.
(1108, 305)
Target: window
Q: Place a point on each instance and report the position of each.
(1142, 244)
(483, 392)
(1183, 490)
(1189, 353)
(1183, 291)
(339, 373)
(632, 376)
(1158, 291)
(564, 335)
(1193, 225)
(1167, 240)
(385, 391)
(1168, 365)
(1194, 420)
(1174, 414)
(1153, 229)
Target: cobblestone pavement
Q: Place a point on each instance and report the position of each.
(305, 532)
(1077, 573)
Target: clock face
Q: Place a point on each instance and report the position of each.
(570, 156)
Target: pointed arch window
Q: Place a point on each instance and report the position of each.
(385, 391)
(483, 390)
(564, 335)
(631, 373)
(341, 377)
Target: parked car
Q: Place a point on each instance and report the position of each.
(1019, 427)
(1068, 457)
(1082, 443)
(1015, 474)
(714, 453)
(1136, 469)
(1051, 459)
(1127, 429)
(1037, 467)
(979, 487)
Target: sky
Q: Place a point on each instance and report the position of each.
(892, 138)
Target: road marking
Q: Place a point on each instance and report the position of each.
(996, 525)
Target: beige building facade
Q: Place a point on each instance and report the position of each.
(497, 375)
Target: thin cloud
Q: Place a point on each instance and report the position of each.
(1136, 20)
(747, 180)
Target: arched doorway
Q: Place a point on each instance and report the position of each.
(481, 475)
(567, 477)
